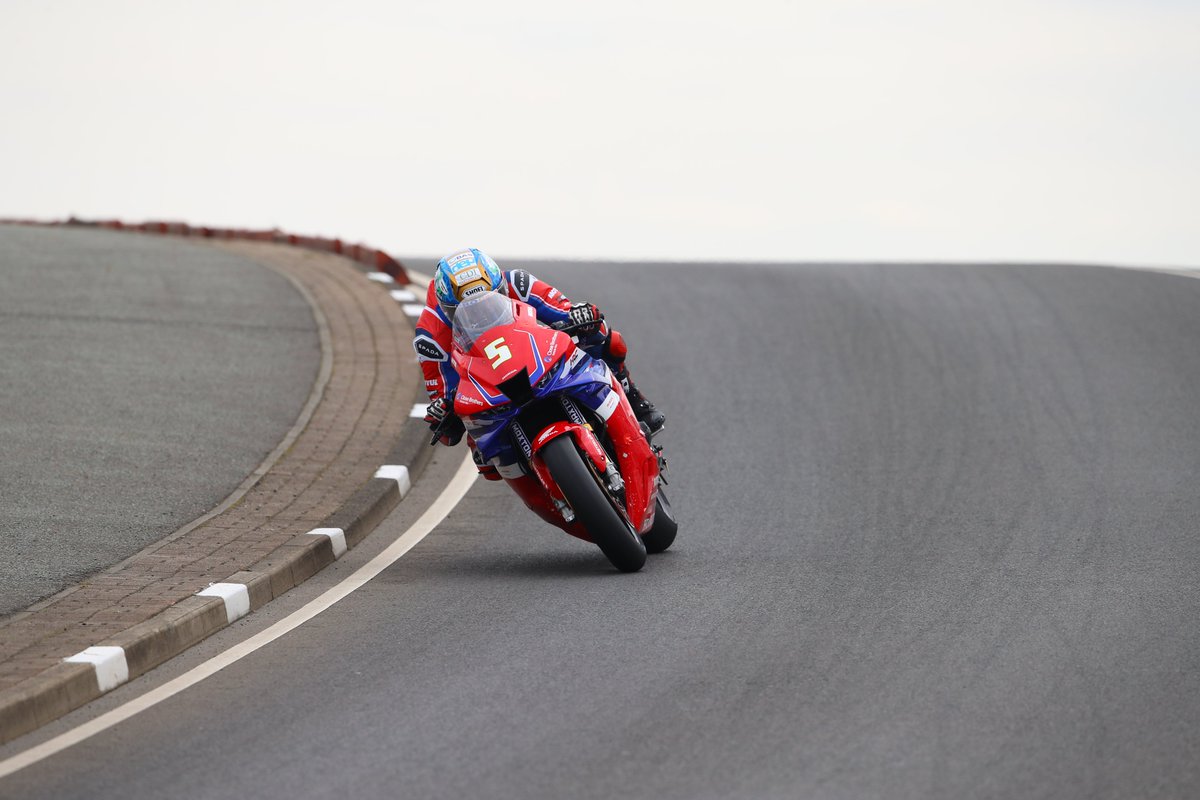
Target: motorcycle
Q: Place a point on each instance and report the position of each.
(531, 399)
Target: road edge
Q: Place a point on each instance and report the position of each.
(115, 660)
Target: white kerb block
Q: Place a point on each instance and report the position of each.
(403, 296)
(381, 277)
(109, 662)
(235, 595)
(397, 473)
(413, 309)
(419, 410)
(337, 538)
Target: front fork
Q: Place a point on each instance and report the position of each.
(586, 439)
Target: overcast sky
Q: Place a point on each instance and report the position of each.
(855, 129)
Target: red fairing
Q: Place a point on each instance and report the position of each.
(636, 461)
(638, 464)
(523, 345)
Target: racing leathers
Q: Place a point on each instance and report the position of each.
(433, 343)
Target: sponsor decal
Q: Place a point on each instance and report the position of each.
(609, 405)
(429, 350)
(522, 281)
(433, 382)
(467, 400)
(545, 435)
(473, 290)
(572, 412)
(553, 293)
(459, 258)
(574, 358)
(510, 471)
(523, 442)
(467, 275)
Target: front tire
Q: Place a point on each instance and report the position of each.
(593, 509)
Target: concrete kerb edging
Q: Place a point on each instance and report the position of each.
(370, 257)
(79, 679)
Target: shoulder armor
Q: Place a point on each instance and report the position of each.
(522, 283)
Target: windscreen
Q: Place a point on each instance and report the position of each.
(479, 314)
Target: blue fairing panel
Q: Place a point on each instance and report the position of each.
(584, 379)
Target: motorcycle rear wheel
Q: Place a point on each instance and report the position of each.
(662, 532)
(592, 506)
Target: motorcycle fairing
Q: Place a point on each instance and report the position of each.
(580, 377)
(554, 366)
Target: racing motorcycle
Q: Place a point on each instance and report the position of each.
(531, 398)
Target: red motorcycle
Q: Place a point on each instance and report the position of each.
(559, 427)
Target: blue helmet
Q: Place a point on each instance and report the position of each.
(464, 273)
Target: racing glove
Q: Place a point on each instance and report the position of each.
(445, 424)
(585, 318)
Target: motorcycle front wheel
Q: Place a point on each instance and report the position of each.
(592, 507)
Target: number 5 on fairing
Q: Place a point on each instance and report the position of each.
(498, 352)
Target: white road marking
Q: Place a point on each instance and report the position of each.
(443, 505)
(414, 309)
(397, 473)
(109, 662)
(381, 277)
(403, 296)
(337, 538)
(235, 595)
(419, 410)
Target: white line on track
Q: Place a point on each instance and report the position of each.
(443, 505)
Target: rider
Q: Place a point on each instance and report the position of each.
(468, 272)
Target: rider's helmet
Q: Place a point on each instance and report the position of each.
(465, 273)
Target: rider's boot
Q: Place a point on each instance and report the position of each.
(643, 409)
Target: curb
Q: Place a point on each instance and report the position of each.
(81, 678)
(371, 257)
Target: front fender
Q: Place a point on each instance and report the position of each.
(584, 437)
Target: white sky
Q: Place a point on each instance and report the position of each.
(848, 129)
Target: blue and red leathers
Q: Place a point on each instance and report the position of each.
(433, 340)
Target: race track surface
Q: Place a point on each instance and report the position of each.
(142, 380)
(940, 536)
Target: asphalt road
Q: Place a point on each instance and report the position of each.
(141, 380)
(939, 538)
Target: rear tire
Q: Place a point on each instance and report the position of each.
(592, 506)
(662, 532)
